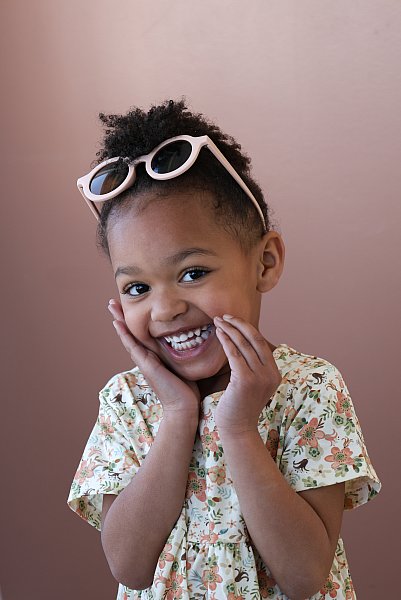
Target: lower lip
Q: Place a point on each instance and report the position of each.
(188, 353)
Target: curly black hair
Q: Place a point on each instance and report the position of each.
(139, 132)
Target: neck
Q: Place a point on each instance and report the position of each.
(220, 381)
(217, 383)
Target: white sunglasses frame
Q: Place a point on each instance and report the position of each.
(197, 143)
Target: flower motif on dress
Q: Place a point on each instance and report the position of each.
(349, 589)
(124, 379)
(289, 413)
(343, 404)
(217, 474)
(144, 435)
(330, 587)
(310, 433)
(340, 420)
(130, 422)
(105, 426)
(165, 556)
(172, 583)
(173, 586)
(211, 577)
(340, 458)
(130, 459)
(210, 537)
(153, 414)
(209, 441)
(85, 471)
(94, 451)
(196, 486)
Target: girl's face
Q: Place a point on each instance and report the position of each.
(176, 269)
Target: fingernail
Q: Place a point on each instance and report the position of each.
(227, 317)
(218, 319)
(115, 324)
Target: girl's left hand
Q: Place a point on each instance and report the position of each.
(254, 375)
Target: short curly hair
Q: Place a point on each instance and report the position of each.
(138, 132)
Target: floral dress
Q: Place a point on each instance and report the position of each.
(310, 429)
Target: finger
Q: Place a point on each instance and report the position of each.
(242, 343)
(247, 335)
(166, 384)
(234, 355)
(147, 361)
(140, 355)
(126, 337)
(115, 308)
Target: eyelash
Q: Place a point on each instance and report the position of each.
(129, 287)
(200, 270)
(196, 270)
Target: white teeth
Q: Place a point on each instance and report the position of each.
(189, 339)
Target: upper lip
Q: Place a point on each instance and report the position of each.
(182, 330)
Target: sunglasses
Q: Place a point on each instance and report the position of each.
(169, 159)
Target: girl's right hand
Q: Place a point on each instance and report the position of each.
(174, 393)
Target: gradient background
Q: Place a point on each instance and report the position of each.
(312, 91)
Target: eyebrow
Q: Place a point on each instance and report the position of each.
(172, 260)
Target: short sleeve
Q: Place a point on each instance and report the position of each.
(323, 441)
(114, 451)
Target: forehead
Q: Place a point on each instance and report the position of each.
(167, 223)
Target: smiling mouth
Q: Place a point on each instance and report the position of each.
(189, 339)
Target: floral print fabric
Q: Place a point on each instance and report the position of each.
(310, 429)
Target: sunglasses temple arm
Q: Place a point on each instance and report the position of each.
(214, 149)
(91, 204)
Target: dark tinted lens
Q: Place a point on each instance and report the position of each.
(171, 157)
(109, 178)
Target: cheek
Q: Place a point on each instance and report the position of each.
(229, 301)
(135, 320)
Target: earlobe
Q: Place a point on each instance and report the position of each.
(271, 261)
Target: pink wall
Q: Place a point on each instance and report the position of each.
(312, 90)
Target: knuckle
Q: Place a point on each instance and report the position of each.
(245, 343)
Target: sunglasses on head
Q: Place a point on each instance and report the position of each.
(169, 159)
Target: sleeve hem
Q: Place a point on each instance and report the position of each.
(360, 488)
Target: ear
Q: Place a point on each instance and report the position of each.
(271, 254)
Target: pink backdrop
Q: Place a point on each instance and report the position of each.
(312, 90)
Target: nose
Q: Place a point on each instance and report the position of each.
(167, 305)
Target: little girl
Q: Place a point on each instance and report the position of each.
(220, 465)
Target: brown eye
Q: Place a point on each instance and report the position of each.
(136, 289)
(194, 274)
